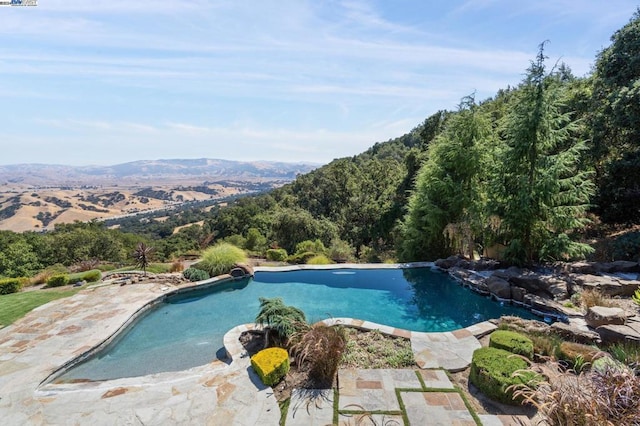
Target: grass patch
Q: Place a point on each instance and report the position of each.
(375, 350)
(15, 306)
(284, 409)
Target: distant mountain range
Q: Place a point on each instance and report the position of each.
(204, 169)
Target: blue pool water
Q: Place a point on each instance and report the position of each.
(187, 330)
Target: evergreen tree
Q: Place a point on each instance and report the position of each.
(542, 194)
(616, 125)
(446, 208)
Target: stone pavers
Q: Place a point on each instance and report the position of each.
(311, 407)
(373, 390)
(389, 397)
(52, 335)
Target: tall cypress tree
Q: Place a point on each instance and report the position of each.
(445, 210)
(542, 193)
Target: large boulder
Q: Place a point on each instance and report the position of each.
(554, 286)
(518, 294)
(499, 287)
(470, 279)
(607, 285)
(575, 334)
(449, 262)
(241, 270)
(544, 305)
(623, 266)
(528, 280)
(507, 274)
(583, 268)
(617, 333)
(601, 315)
(485, 265)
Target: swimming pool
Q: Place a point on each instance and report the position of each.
(186, 330)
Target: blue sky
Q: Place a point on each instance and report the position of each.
(109, 81)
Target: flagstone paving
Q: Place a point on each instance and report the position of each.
(389, 397)
(219, 393)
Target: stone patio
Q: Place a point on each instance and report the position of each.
(389, 397)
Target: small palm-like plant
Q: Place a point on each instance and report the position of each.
(279, 318)
(636, 297)
(142, 255)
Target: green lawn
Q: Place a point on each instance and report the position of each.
(16, 305)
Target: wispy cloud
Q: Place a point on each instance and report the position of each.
(282, 78)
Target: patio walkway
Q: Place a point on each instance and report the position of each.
(389, 398)
(219, 393)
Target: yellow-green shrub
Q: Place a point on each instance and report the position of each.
(10, 285)
(221, 258)
(91, 276)
(492, 372)
(277, 255)
(319, 259)
(511, 341)
(58, 280)
(271, 365)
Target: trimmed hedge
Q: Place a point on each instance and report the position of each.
(271, 365)
(277, 255)
(58, 280)
(91, 276)
(512, 342)
(10, 285)
(195, 274)
(492, 373)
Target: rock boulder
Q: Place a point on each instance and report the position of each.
(601, 315)
(617, 333)
(575, 334)
(499, 287)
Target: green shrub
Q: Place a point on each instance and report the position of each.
(492, 372)
(58, 280)
(221, 258)
(235, 240)
(91, 276)
(284, 320)
(340, 251)
(10, 285)
(546, 345)
(194, 274)
(319, 259)
(511, 341)
(277, 255)
(301, 258)
(627, 352)
(271, 365)
(315, 246)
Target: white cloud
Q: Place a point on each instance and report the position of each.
(272, 78)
